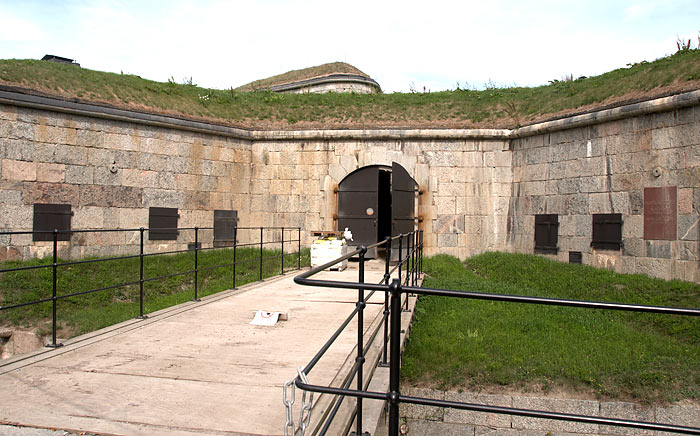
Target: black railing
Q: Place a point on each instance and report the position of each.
(408, 268)
(256, 238)
(395, 292)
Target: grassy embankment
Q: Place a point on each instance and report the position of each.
(85, 313)
(493, 107)
(473, 345)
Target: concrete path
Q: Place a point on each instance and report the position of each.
(199, 368)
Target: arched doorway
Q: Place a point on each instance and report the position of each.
(377, 201)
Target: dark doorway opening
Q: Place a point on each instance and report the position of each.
(384, 188)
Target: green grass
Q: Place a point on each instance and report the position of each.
(469, 344)
(492, 107)
(85, 313)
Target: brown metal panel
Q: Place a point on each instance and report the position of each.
(607, 231)
(357, 204)
(660, 213)
(50, 217)
(162, 223)
(546, 232)
(224, 222)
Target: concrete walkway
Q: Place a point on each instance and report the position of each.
(198, 368)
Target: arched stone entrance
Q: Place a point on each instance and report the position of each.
(377, 201)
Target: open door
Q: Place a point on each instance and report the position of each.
(358, 205)
(403, 204)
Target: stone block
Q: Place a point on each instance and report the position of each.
(18, 170)
(79, 174)
(110, 196)
(139, 178)
(578, 407)
(59, 193)
(451, 189)
(70, 154)
(21, 130)
(48, 172)
(88, 217)
(577, 204)
(636, 199)
(685, 201)
(447, 240)
(55, 135)
(16, 217)
(449, 224)
(196, 200)
(687, 416)
(130, 218)
(689, 227)
(633, 227)
(89, 138)
(662, 138)
(101, 157)
(634, 247)
(594, 184)
(446, 205)
(104, 176)
(688, 250)
(118, 141)
(437, 428)
(478, 418)
(163, 198)
(655, 267)
(416, 411)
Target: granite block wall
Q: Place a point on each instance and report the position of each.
(605, 168)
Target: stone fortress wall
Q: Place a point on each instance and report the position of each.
(480, 189)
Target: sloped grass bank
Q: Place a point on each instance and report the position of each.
(470, 344)
(89, 312)
(493, 107)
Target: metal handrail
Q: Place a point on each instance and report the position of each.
(394, 397)
(56, 265)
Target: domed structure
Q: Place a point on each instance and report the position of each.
(332, 77)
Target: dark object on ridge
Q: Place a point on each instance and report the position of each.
(60, 59)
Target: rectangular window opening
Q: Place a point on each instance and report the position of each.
(607, 231)
(50, 217)
(546, 233)
(224, 223)
(162, 223)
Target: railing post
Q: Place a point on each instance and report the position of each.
(415, 257)
(261, 253)
(407, 281)
(141, 274)
(400, 255)
(420, 263)
(54, 300)
(235, 241)
(395, 364)
(282, 251)
(196, 262)
(384, 362)
(299, 248)
(360, 360)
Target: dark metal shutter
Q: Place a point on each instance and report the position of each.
(607, 231)
(224, 223)
(403, 206)
(358, 205)
(546, 232)
(162, 223)
(50, 217)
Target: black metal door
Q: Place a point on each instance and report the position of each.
(358, 204)
(403, 205)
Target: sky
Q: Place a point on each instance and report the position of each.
(403, 45)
